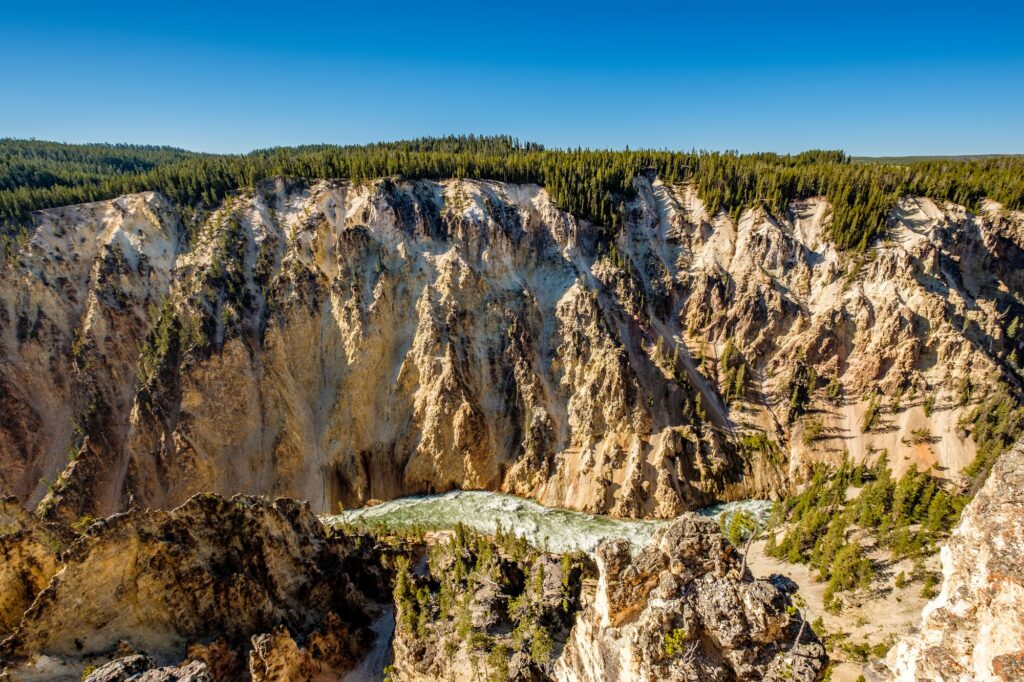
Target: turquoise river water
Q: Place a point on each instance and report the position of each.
(557, 530)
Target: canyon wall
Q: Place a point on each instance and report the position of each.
(341, 344)
(217, 589)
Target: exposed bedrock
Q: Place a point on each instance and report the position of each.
(686, 608)
(342, 344)
(222, 587)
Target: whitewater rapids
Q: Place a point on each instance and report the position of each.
(555, 530)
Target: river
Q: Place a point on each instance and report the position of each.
(556, 530)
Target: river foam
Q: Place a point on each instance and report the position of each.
(557, 530)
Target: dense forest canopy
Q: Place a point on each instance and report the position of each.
(591, 184)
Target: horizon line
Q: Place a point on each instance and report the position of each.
(546, 147)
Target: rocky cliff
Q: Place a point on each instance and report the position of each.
(683, 608)
(28, 559)
(227, 589)
(343, 343)
(686, 608)
(974, 629)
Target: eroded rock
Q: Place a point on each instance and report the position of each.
(29, 549)
(681, 610)
(220, 575)
(343, 343)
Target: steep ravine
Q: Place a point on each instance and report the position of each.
(344, 344)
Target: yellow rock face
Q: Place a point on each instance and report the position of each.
(341, 344)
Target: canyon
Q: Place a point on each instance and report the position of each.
(191, 395)
(343, 344)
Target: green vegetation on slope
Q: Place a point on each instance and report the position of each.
(489, 597)
(995, 425)
(907, 516)
(590, 184)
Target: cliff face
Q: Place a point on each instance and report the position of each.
(78, 302)
(341, 344)
(28, 559)
(974, 629)
(686, 608)
(236, 586)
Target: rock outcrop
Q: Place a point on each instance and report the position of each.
(686, 608)
(139, 668)
(483, 608)
(974, 629)
(343, 343)
(211, 584)
(29, 551)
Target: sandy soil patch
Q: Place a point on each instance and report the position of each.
(873, 616)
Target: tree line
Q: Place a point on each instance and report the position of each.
(591, 184)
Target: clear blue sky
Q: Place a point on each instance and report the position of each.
(870, 77)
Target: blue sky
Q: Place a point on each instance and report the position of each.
(873, 78)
